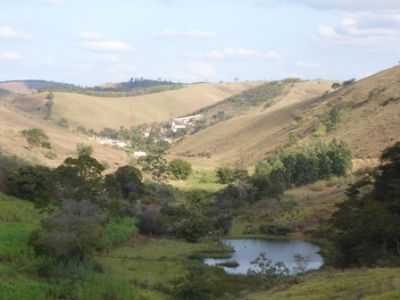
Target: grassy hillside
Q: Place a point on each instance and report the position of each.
(63, 142)
(364, 114)
(368, 284)
(367, 114)
(99, 112)
(259, 98)
(248, 137)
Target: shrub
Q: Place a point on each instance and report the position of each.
(36, 137)
(227, 175)
(83, 149)
(273, 229)
(181, 169)
(118, 230)
(34, 183)
(150, 221)
(74, 232)
(199, 284)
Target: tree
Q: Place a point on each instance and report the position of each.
(366, 227)
(34, 183)
(181, 169)
(74, 232)
(79, 178)
(84, 150)
(156, 165)
(130, 182)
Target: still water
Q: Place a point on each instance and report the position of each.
(285, 251)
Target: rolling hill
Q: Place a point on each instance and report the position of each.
(100, 112)
(249, 136)
(63, 142)
(368, 119)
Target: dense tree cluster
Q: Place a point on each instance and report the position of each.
(301, 166)
(366, 228)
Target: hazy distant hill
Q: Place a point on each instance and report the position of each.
(130, 88)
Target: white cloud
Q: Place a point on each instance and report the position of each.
(187, 34)
(96, 42)
(10, 56)
(243, 53)
(8, 32)
(364, 29)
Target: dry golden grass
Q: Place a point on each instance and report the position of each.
(247, 138)
(370, 122)
(371, 118)
(63, 141)
(101, 112)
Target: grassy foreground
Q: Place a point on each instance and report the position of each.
(366, 284)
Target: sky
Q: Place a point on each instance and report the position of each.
(97, 41)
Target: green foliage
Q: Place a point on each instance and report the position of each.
(79, 178)
(105, 287)
(228, 175)
(73, 232)
(118, 230)
(333, 118)
(301, 166)
(36, 137)
(8, 165)
(84, 150)
(181, 169)
(198, 284)
(365, 230)
(156, 165)
(24, 290)
(34, 183)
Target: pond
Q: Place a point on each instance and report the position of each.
(285, 251)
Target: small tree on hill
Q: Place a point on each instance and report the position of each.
(36, 137)
(181, 169)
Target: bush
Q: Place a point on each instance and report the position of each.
(34, 183)
(8, 165)
(272, 229)
(36, 137)
(181, 169)
(227, 175)
(199, 284)
(72, 233)
(83, 149)
(118, 230)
